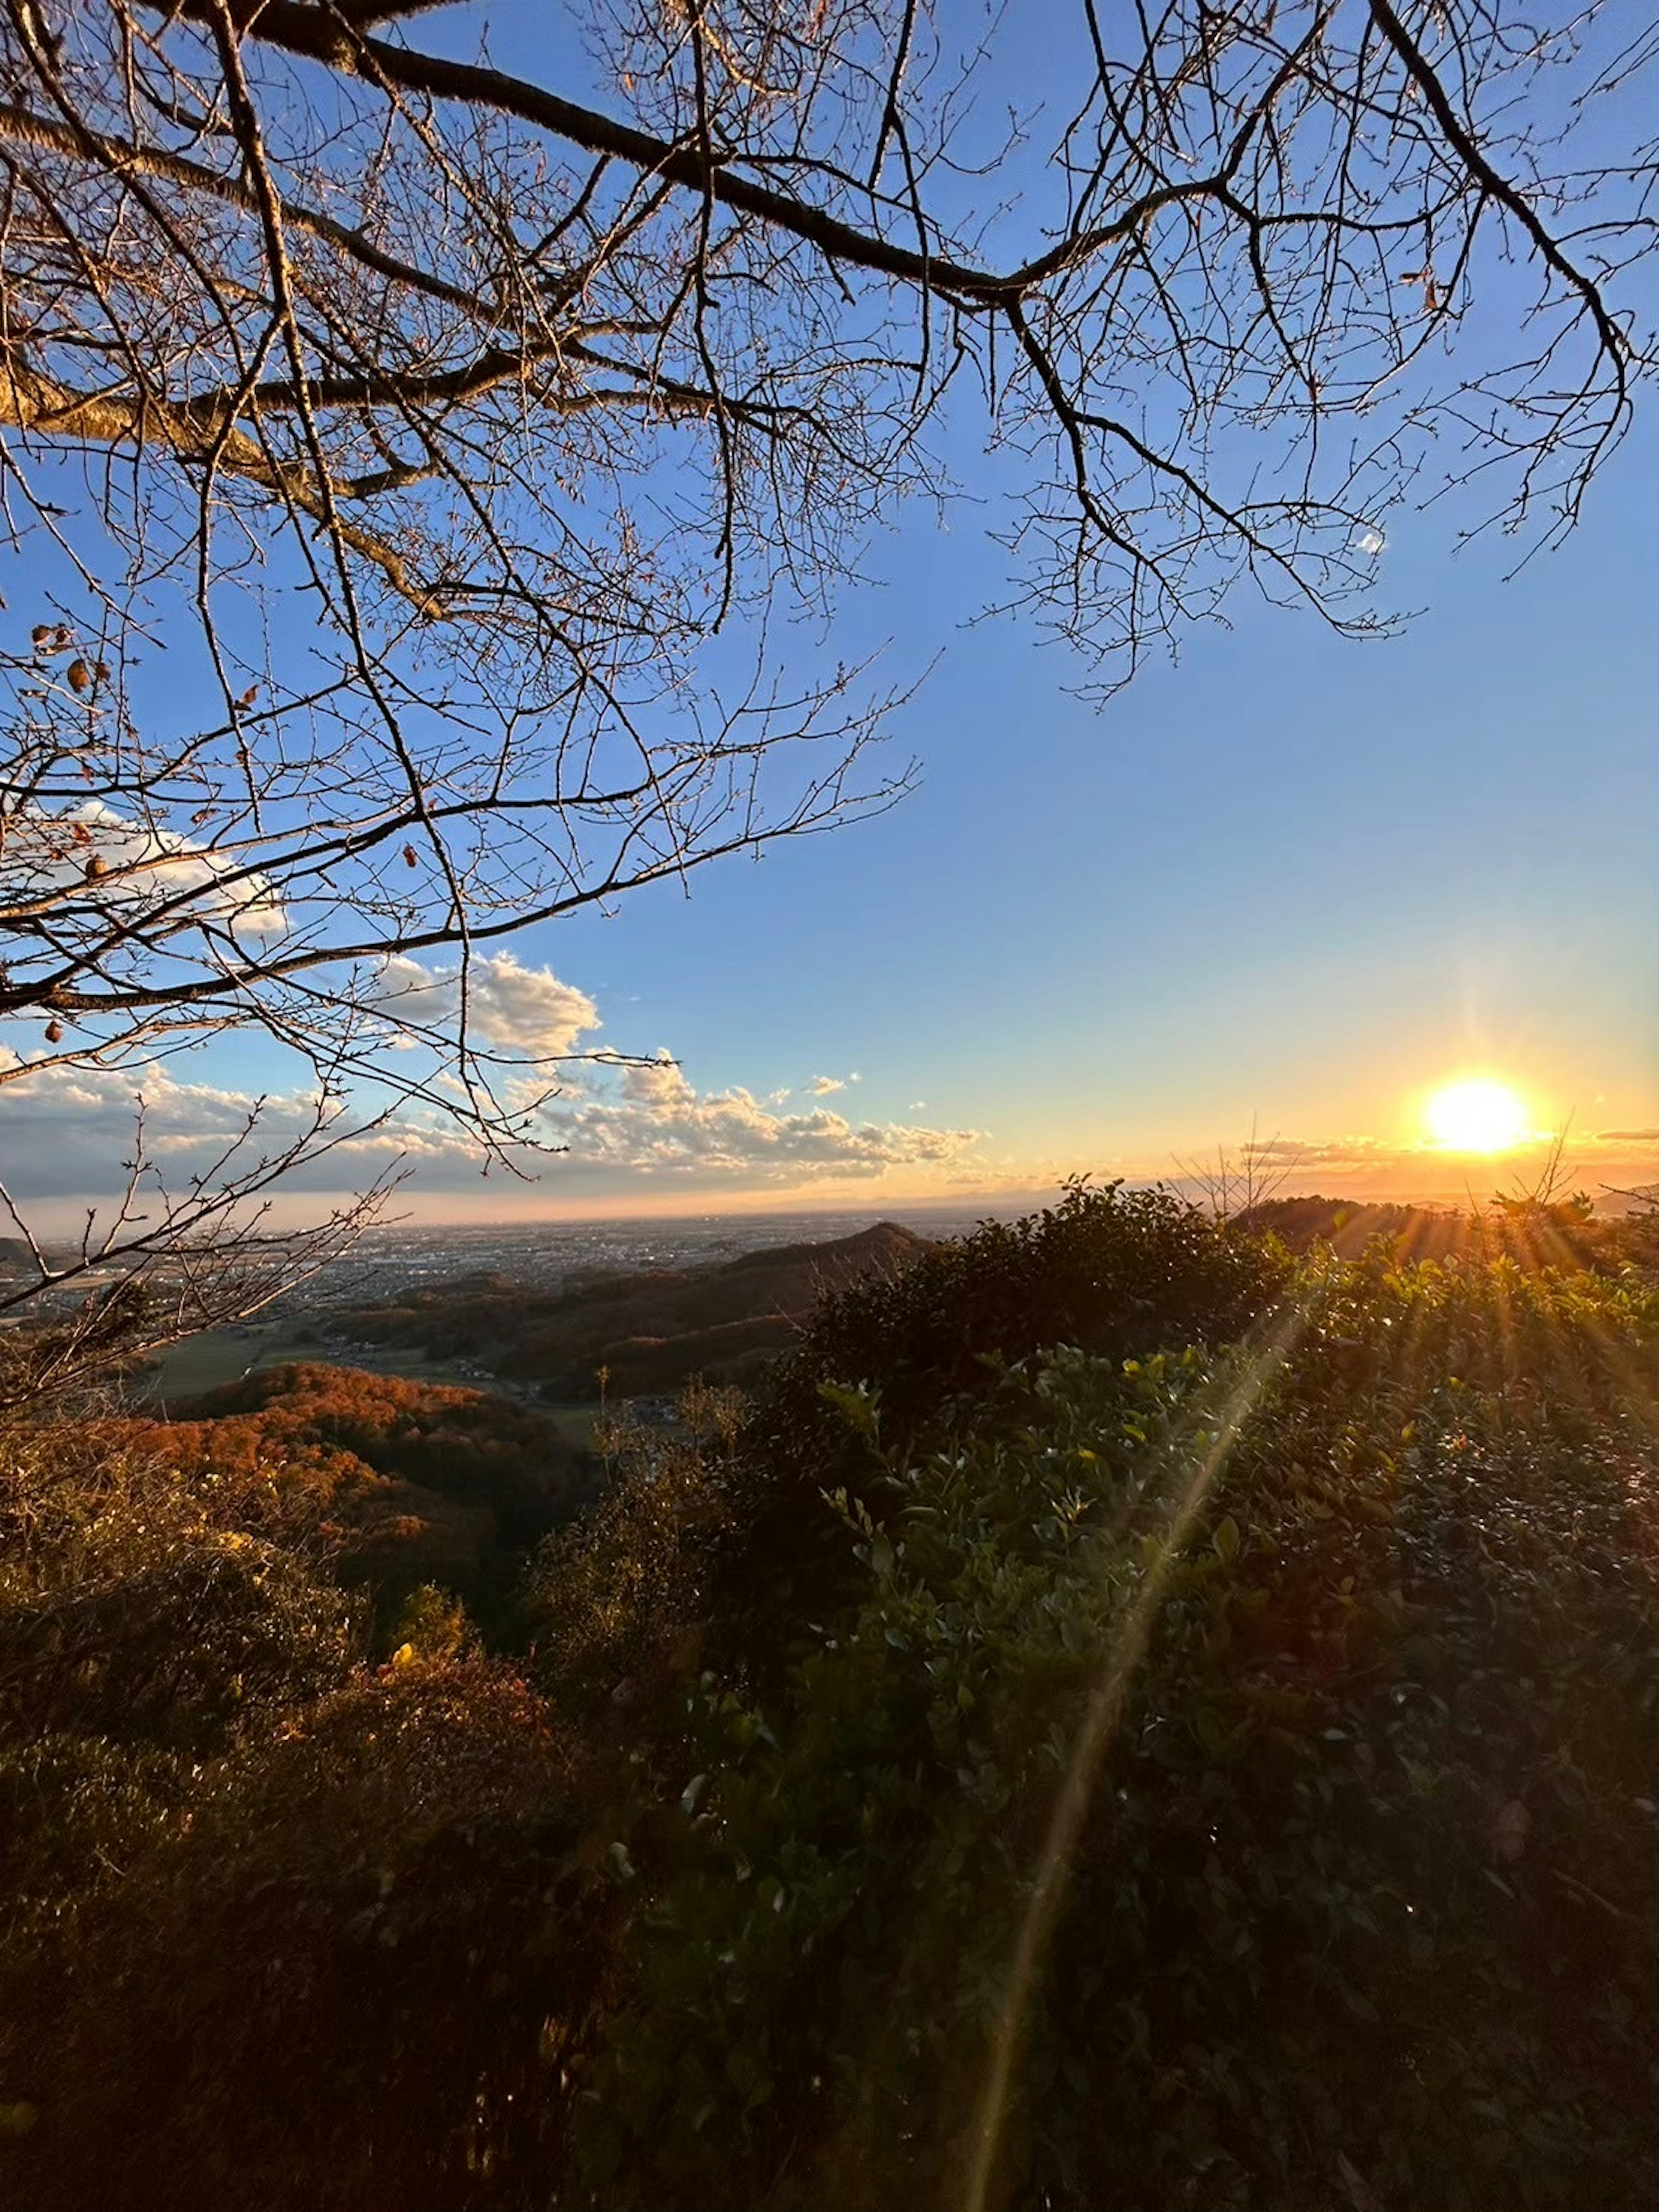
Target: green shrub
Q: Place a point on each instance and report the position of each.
(1115, 1272)
(1357, 1905)
(620, 1598)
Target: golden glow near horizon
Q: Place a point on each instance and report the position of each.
(1477, 1115)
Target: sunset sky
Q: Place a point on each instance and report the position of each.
(1293, 882)
(1293, 879)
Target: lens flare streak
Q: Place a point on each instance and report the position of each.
(1099, 1723)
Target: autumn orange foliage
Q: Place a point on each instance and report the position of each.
(410, 1482)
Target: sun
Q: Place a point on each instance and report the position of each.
(1476, 1115)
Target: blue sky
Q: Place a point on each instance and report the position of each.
(1293, 879)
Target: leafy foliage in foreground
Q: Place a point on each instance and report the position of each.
(279, 1926)
(1345, 1631)
(1357, 1911)
(1115, 1271)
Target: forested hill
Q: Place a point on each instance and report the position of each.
(649, 1333)
(406, 1482)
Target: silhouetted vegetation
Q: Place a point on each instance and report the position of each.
(1117, 1272)
(1212, 1696)
(1357, 1886)
(1534, 1231)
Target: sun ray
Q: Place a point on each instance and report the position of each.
(1051, 1875)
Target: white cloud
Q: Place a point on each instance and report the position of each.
(659, 1083)
(527, 1011)
(143, 866)
(64, 1132)
(68, 1131)
(673, 1130)
(825, 1086)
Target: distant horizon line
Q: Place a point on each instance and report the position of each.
(1610, 1182)
(889, 1206)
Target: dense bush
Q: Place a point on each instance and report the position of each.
(1532, 1230)
(621, 1598)
(353, 1976)
(141, 1606)
(276, 1927)
(1115, 1272)
(143, 1620)
(1356, 1907)
(1276, 1676)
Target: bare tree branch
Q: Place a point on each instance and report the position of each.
(470, 437)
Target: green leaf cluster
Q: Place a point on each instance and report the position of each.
(1345, 1638)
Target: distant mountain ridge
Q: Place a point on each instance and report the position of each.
(649, 1333)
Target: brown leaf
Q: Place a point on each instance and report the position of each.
(94, 868)
(54, 1032)
(80, 675)
(411, 858)
(1510, 1831)
(249, 696)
